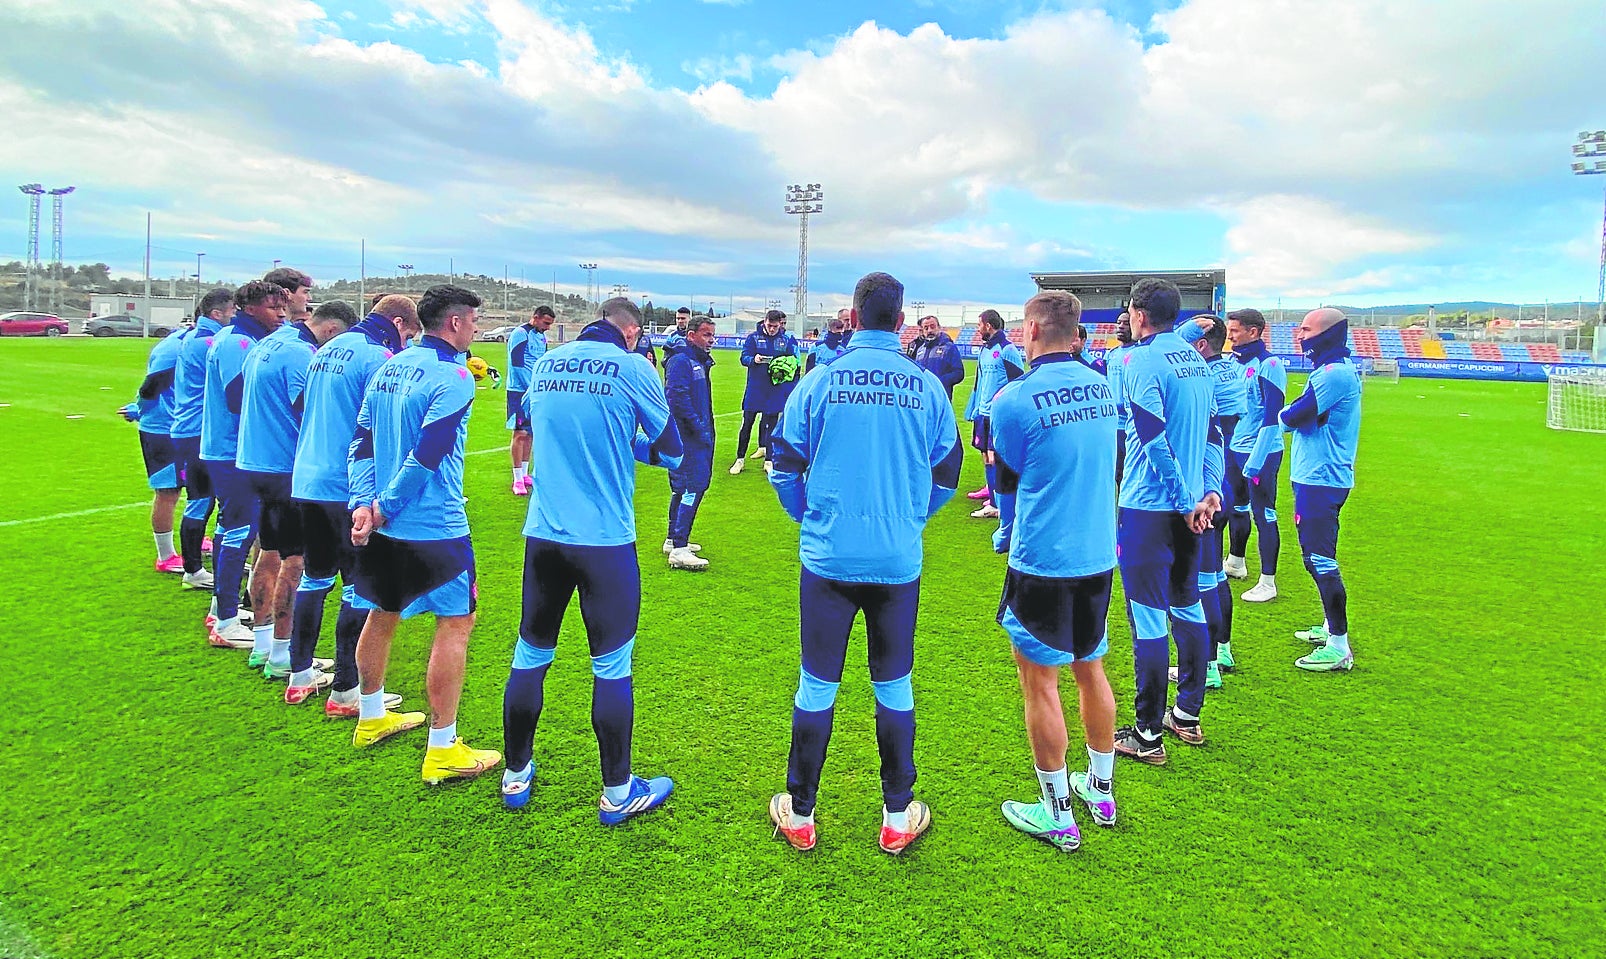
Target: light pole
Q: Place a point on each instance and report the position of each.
(590, 269)
(920, 310)
(801, 200)
(407, 274)
(33, 191)
(276, 264)
(197, 282)
(1590, 154)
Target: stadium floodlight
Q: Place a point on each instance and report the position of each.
(33, 191)
(407, 274)
(591, 269)
(803, 199)
(1592, 146)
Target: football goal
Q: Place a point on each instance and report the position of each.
(1577, 401)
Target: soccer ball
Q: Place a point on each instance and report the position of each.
(478, 367)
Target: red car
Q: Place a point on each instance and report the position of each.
(31, 324)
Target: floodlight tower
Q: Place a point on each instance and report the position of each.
(801, 200)
(407, 272)
(1590, 153)
(590, 269)
(55, 245)
(34, 192)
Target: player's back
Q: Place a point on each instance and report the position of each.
(189, 378)
(417, 406)
(274, 374)
(875, 424)
(225, 361)
(586, 402)
(1113, 362)
(336, 380)
(163, 360)
(1165, 377)
(1325, 454)
(1231, 393)
(1055, 427)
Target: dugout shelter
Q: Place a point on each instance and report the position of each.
(1104, 294)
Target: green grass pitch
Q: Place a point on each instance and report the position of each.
(1444, 799)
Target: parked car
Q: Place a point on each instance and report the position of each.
(125, 324)
(31, 324)
(498, 335)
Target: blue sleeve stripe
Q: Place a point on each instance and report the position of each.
(363, 447)
(946, 473)
(668, 444)
(234, 393)
(439, 438)
(1149, 427)
(787, 457)
(1271, 402)
(1302, 413)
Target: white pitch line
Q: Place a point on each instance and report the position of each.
(73, 515)
(53, 517)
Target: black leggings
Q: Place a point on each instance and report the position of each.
(766, 423)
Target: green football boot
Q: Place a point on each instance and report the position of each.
(1212, 676)
(256, 660)
(1033, 820)
(1316, 635)
(1326, 660)
(1224, 660)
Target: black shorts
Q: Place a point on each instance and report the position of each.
(326, 536)
(417, 576)
(192, 469)
(161, 460)
(280, 526)
(1055, 621)
(981, 433)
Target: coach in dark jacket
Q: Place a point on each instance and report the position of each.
(935, 350)
(764, 399)
(691, 404)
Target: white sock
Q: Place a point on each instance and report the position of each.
(1268, 580)
(371, 705)
(1185, 717)
(301, 677)
(1235, 560)
(280, 653)
(798, 822)
(520, 775)
(1101, 765)
(442, 737)
(618, 794)
(1339, 641)
(262, 638)
(897, 820)
(1056, 791)
(348, 696)
(518, 474)
(164, 546)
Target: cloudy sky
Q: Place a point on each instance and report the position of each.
(1372, 151)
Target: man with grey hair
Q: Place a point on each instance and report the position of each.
(1326, 425)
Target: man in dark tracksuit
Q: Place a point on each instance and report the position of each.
(691, 404)
(764, 399)
(935, 350)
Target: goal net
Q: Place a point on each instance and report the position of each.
(1380, 368)
(1577, 401)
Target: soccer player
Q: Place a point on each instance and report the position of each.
(1208, 334)
(297, 287)
(189, 392)
(687, 389)
(525, 346)
(934, 350)
(763, 399)
(596, 408)
(1000, 362)
(1079, 353)
(260, 309)
(830, 346)
(336, 380)
(858, 447)
(153, 411)
(1113, 361)
(409, 524)
(1257, 453)
(676, 341)
(271, 405)
(1326, 423)
(1171, 492)
(1053, 433)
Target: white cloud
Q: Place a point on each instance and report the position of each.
(1279, 243)
(713, 69)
